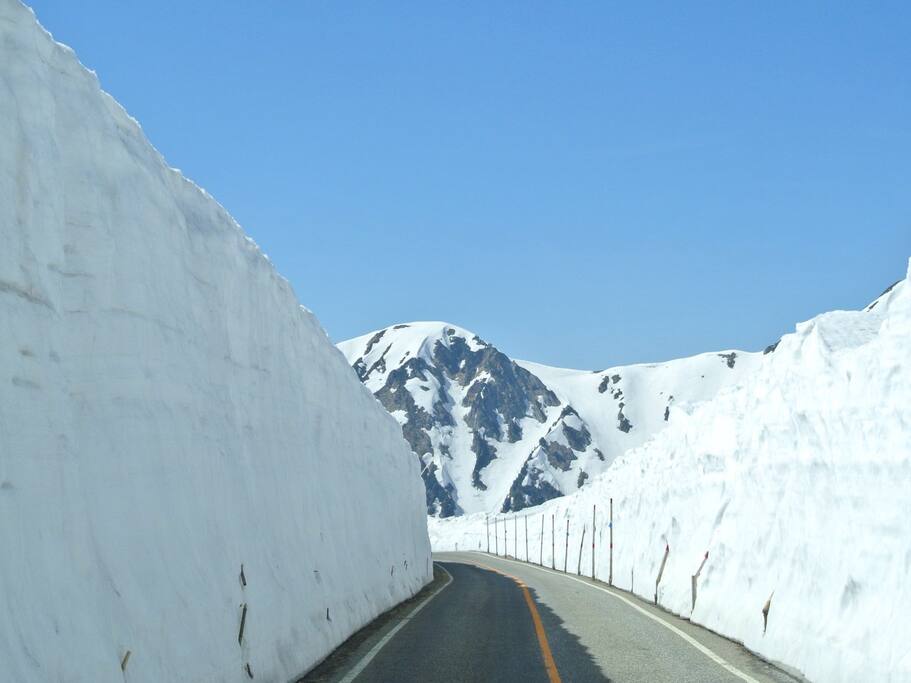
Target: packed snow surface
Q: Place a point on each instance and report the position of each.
(169, 414)
(796, 484)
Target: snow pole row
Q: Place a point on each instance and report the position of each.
(497, 521)
(242, 580)
(515, 554)
(242, 608)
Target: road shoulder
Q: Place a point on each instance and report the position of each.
(349, 654)
(737, 660)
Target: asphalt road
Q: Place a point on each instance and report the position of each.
(481, 627)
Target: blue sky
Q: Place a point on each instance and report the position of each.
(582, 184)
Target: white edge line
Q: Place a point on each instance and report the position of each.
(688, 638)
(375, 650)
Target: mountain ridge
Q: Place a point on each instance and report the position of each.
(498, 434)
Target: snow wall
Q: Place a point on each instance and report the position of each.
(168, 413)
(797, 483)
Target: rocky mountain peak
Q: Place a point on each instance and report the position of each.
(495, 434)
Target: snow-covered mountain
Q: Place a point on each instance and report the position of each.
(796, 482)
(193, 484)
(497, 434)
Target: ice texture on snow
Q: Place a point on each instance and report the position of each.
(168, 413)
(795, 482)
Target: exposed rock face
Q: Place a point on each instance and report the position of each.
(567, 441)
(448, 387)
(495, 434)
(729, 358)
(623, 423)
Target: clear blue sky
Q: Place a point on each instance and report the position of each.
(582, 184)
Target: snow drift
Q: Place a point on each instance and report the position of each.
(797, 485)
(169, 414)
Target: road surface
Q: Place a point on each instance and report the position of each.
(502, 620)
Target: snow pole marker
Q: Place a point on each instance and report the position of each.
(515, 537)
(667, 550)
(765, 613)
(593, 541)
(581, 545)
(243, 623)
(553, 552)
(505, 538)
(487, 529)
(541, 562)
(125, 660)
(610, 527)
(696, 577)
(566, 549)
(526, 538)
(496, 538)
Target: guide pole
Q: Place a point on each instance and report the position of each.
(581, 545)
(593, 541)
(515, 537)
(526, 538)
(610, 526)
(541, 562)
(553, 552)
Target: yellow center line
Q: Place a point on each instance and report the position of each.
(549, 664)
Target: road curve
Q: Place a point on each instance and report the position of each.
(502, 620)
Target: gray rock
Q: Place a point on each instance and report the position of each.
(730, 358)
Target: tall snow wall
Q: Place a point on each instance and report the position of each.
(169, 414)
(798, 486)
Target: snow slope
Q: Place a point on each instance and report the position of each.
(646, 392)
(169, 413)
(496, 434)
(796, 483)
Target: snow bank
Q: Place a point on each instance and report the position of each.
(168, 413)
(796, 483)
